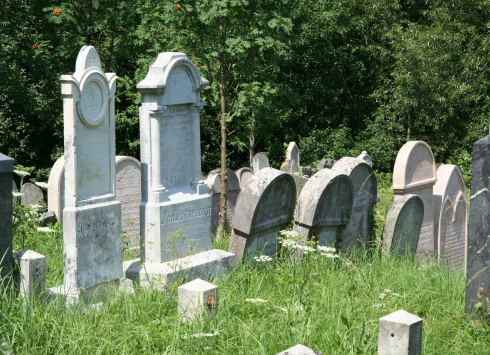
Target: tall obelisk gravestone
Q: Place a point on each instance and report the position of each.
(174, 197)
(6, 169)
(92, 243)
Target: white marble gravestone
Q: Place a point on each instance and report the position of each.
(56, 189)
(92, 244)
(450, 215)
(259, 162)
(292, 153)
(365, 194)
(325, 203)
(243, 175)
(263, 208)
(415, 173)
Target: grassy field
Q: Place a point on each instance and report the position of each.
(329, 304)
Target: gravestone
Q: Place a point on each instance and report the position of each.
(325, 203)
(478, 257)
(325, 164)
(213, 181)
(415, 173)
(402, 227)
(263, 208)
(6, 169)
(92, 244)
(365, 195)
(400, 333)
(292, 153)
(364, 156)
(259, 162)
(292, 168)
(450, 215)
(243, 175)
(31, 195)
(128, 192)
(196, 300)
(56, 189)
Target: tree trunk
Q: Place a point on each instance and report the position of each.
(251, 146)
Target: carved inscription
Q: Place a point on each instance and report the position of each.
(99, 226)
(128, 189)
(185, 216)
(425, 238)
(92, 100)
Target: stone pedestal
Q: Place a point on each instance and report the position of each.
(31, 278)
(400, 333)
(197, 298)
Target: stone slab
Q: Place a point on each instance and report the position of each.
(400, 333)
(31, 195)
(56, 189)
(196, 299)
(259, 162)
(243, 175)
(299, 350)
(6, 203)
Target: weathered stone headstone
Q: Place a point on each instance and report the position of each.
(450, 215)
(243, 175)
(299, 350)
(128, 192)
(31, 194)
(400, 333)
(56, 189)
(259, 162)
(213, 181)
(325, 203)
(364, 156)
(478, 257)
(365, 190)
(6, 169)
(197, 298)
(292, 168)
(325, 164)
(92, 243)
(402, 226)
(31, 277)
(415, 173)
(263, 208)
(292, 153)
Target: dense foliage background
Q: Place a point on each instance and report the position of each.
(336, 76)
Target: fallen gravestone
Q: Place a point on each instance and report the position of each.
(415, 173)
(263, 208)
(243, 175)
(402, 227)
(56, 189)
(31, 195)
(6, 169)
(259, 162)
(213, 181)
(324, 205)
(365, 190)
(450, 214)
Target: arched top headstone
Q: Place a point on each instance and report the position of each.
(414, 166)
(259, 162)
(449, 183)
(56, 188)
(292, 153)
(122, 158)
(213, 181)
(362, 176)
(88, 58)
(267, 200)
(243, 175)
(365, 156)
(326, 199)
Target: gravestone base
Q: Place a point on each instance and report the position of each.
(205, 265)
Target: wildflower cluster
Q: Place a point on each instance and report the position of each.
(387, 291)
(262, 258)
(294, 240)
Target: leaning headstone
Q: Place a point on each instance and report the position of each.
(47, 218)
(92, 244)
(56, 189)
(324, 205)
(6, 169)
(213, 181)
(31, 194)
(325, 164)
(365, 190)
(259, 162)
(31, 278)
(477, 264)
(197, 298)
(402, 227)
(292, 153)
(400, 333)
(364, 156)
(415, 173)
(450, 215)
(128, 192)
(243, 175)
(263, 208)
(299, 350)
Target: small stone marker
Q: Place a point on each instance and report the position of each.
(31, 279)
(128, 192)
(196, 298)
(292, 153)
(299, 350)
(477, 265)
(402, 227)
(259, 162)
(56, 189)
(47, 218)
(6, 169)
(31, 195)
(263, 208)
(400, 333)
(243, 175)
(292, 168)
(213, 181)
(364, 156)
(365, 190)
(325, 203)
(415, 173)
(92, 243)
(451, 215)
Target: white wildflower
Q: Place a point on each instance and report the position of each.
(298, 307)
(290, 234)
(326, 249)
(262, 258)
(288, 243)
(370, 264)
(21, 173)
(44, 185)
(378, 305)
(396, 294)
(387, 291)
(331, 256)
(45, 229)
(35, 207)
(256, 300)
(17, 194)
(382, 296)
(199, 335)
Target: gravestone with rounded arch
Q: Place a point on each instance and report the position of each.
(324, 205)
(56, 189)
(402, 225)
(450, 214)
(243, 175)
(263, 208)
(365, 195)
(415, 173)
(31, 194)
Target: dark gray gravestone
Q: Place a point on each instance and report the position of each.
(6, 169)
(356, 234)
(31, 194)
(325, 203)
(243, 175)
(402, 227)
(325, 164)
(214, 189)
(478, 252)
(263, 208)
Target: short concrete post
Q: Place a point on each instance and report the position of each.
(197, 297)
(31, 279)
(400, 333)
(299, 350)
